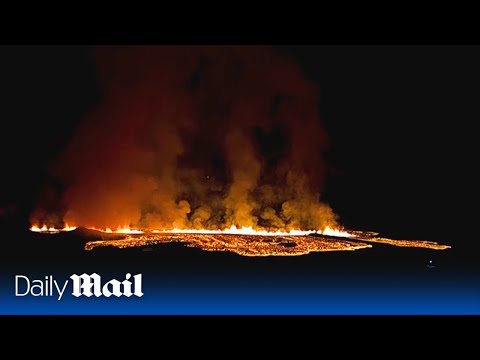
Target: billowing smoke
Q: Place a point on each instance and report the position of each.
(194, 137)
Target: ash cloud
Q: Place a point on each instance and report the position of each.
(195, 137)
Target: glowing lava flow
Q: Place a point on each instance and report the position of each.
(246, 241)
(261, 245)
(245, 245)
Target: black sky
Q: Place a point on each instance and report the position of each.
(397, 118)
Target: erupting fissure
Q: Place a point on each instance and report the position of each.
(233, 230)
(51, 229)
(208, 139)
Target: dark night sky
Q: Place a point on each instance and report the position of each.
(397, 119)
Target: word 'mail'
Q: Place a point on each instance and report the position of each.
(84, 284)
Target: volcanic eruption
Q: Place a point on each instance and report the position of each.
(188, 140)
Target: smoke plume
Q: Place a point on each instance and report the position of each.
(194, 137)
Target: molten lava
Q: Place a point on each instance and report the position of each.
(51, 229)
(233, 230)
(247, 241)
(118, 230)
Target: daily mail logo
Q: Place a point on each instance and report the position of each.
(82, 285)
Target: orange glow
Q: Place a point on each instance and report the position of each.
(51, 229)
(69, 228)
(119, 230)
(245, 245)
(36, 228)
(233, 230)
(248, 245)
(334, 232)
(248, 241)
